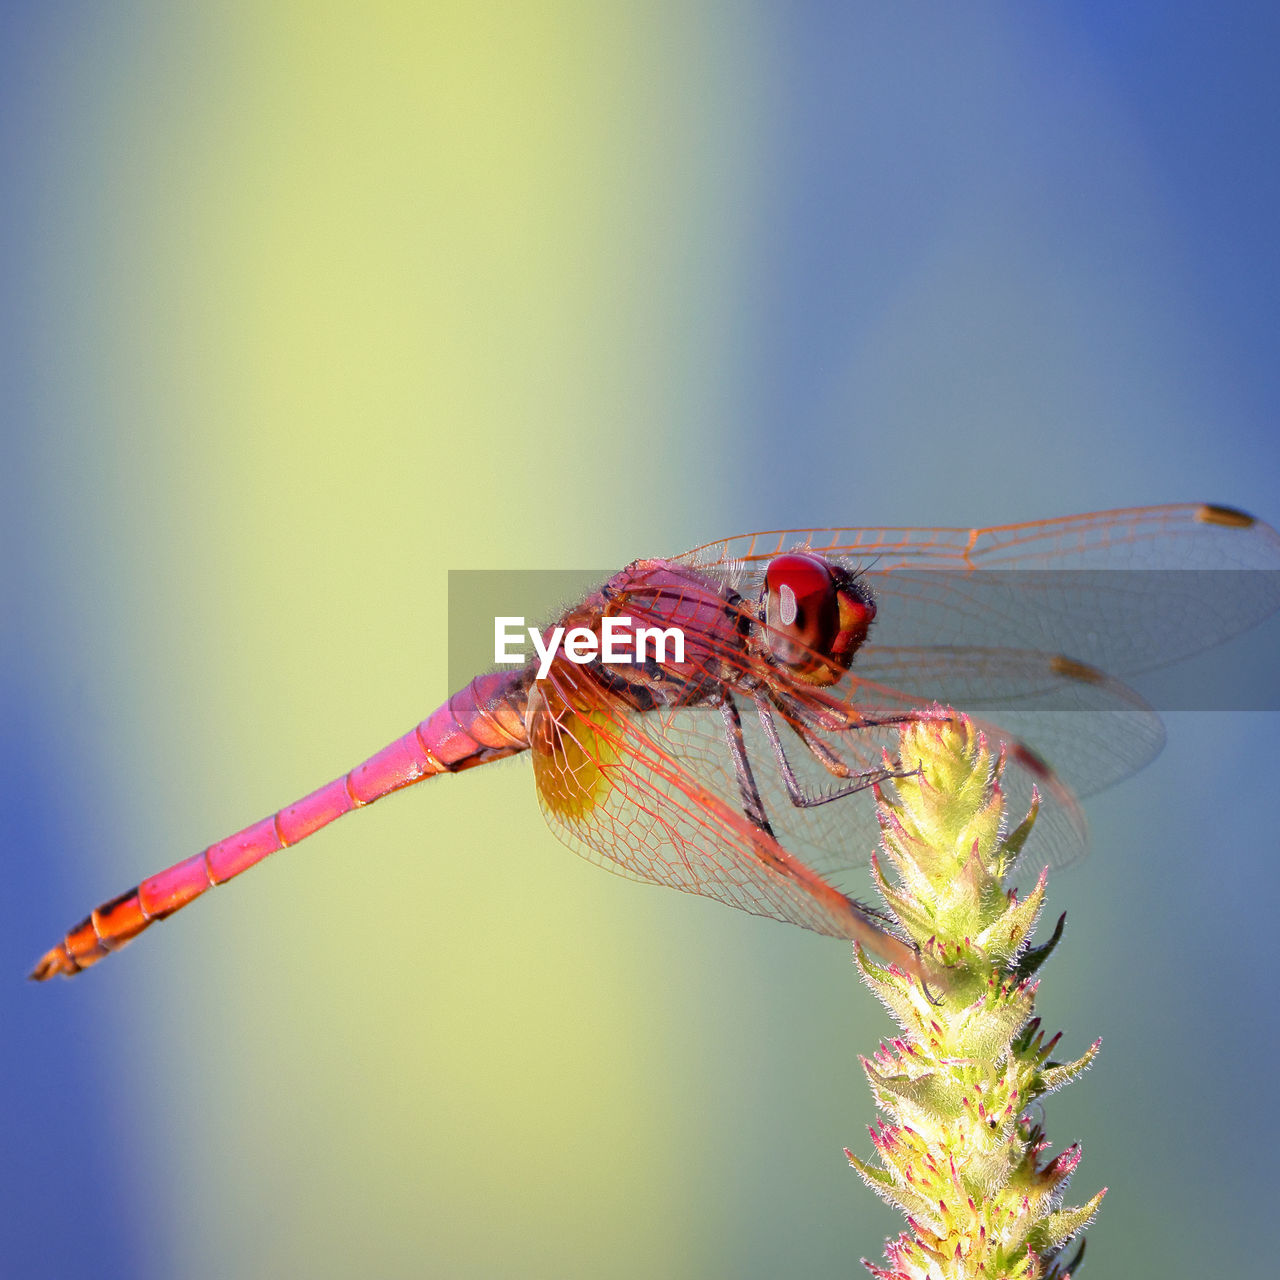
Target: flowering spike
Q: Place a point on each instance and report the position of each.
(958, 1151)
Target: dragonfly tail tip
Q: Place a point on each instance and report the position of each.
(52, 962)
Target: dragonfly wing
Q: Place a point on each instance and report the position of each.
(652, 795)
(1091, 728)
(841, 835)
(1176, 536)
(1067, 731)
(1126, 591)
(655, 795)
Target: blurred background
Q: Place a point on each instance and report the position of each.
(305, 305)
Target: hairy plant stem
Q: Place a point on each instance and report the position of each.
(959, 1149)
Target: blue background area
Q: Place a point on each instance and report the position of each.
(301, 311)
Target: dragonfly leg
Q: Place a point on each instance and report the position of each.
(752, 805)
(854, 782)
(904, 953)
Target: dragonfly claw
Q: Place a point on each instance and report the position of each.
(928, 995)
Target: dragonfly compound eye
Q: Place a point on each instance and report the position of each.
(816, 616)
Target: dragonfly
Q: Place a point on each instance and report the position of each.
(740, 769)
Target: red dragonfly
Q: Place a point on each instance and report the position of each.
(739, 772)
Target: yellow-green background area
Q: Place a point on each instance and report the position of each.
(307, 304)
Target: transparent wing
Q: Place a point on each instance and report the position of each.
(1176, 536)
(1065, 735)
(655, 795)
(635, 793)
(1125, 591)
(1091, 729)
(1068, 730)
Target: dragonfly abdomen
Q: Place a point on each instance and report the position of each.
(483, 722)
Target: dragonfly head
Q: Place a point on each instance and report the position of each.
(816, 616)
